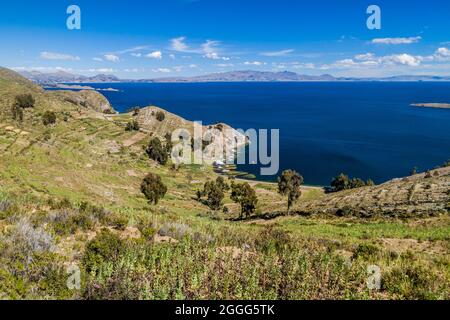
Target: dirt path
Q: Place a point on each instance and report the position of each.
(134, 139)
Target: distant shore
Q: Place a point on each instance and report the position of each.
(432, 105)
(77, 87)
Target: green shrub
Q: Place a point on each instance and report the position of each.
(273, 240)
(366, 251)
(49, 118)
(132, 126)
(17, 113)
(413, 282)
(7, 209)
(62, 204)
(343, 182)
(148, 232)
(25, 101)
(119, 221)
(105, 247)
(156, 152)
(68, 221)
(160, 116)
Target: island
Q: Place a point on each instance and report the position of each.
(432, 105)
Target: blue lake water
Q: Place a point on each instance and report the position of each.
(365, 129)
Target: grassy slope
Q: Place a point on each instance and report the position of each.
(91, 158)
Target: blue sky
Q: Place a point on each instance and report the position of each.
(159, 38)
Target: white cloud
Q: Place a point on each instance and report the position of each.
(443, 52)
(281, 53)
(297, 65)
(58, 56)
(97, 59)
(130, 50)
(209, 49)
(162, 70)
(409, 40)
(440, 55)
(172, 56)
(178, 44)
(137, 55)
(254, 63)
(293, 65)
(102, 70)
(225, 65)
(368, 60)
(112, 57)
(155, 55)
(403, 59)
(131, 70)
(365, 56)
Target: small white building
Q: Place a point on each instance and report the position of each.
(218, 164)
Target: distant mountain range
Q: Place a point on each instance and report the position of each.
(232, 76)
(65, 77)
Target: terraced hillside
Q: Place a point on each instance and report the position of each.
(70, 197)
(421, 195)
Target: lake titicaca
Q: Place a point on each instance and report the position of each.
(364, 129)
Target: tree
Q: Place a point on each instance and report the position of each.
(289, 184)
(169, 145)
(153, 188)
(156, 152)
(160, 116)
(220, 181)
(48, 118)
(215, 197)
(245, 196)
(341, 182)
(132, 126)
(25, 101)
(17, 112)
(356, 183)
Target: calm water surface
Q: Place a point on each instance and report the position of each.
(367, 130)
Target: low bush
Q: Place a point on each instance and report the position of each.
(156, 152)
(366, 251)
(413, 282)
(105, 247)
(119, 221)
(132, 126)
(17, 113)
(175, 230)
(160, 116)
(25, 101)
(148, 232)
(48, 118)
